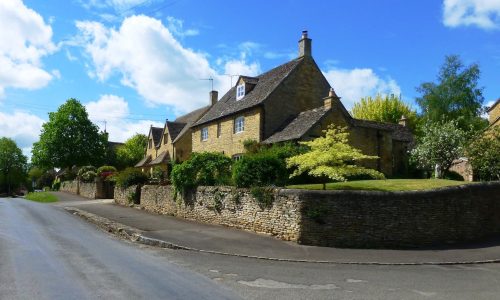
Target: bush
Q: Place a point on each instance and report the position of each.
(86, 169)
(88, 176)
(56, 185)
(106, 171)
(159, 176)
(206, 168)
(484, 156)
(266, 166)
(129, 177)
(69, 174)
(45, 180)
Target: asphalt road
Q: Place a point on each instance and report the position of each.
(46, 253)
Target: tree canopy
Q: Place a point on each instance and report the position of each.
(331, 156)
(132, 151)
(455, 95)
(441, 144)
(484, 154)
(68, 138)
(13, 165)
(389, 108)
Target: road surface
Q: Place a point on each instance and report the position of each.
(46, 253)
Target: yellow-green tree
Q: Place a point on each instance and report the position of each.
(332, 157)
(387, 108)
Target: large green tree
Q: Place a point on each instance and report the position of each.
(332, 157)
(13, 165)
(484, 154)
(69, 138)
(132, 151)
(389, 108)
(455, 95)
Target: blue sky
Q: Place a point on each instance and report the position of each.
(137, 62)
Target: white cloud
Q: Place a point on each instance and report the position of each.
(118, 5)
(176, 27)
(22, 127)
(24, 40)
(352, 85)
(115, 111)
(147, 57)
(481, 13)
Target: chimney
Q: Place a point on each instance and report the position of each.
(213, 97)
(403, 121)
(304, 45)
(332, 96)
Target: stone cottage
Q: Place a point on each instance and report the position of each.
(293, 102)
(172, 142)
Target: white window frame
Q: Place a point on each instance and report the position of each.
(204, 134)
(240, 91)
(239, 124)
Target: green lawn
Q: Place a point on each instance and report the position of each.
(383, 185)
(44, 197)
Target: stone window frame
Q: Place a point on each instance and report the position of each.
(240, 91)
(204, 134)
(239, 124)
(219, 129)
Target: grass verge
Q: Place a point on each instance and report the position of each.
(44, 197)
(383, 185)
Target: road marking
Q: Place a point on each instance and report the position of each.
(271, 284)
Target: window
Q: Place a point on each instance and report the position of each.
(150, 144)
(239, 124)
(219, 129)
(204, 133)
(165, 138)
(240, 91)
(237, 156)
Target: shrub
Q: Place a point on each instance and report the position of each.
(129, 177)
(206, 168)
(484, 156)
(45, 180)
(56, 185)
(85, 169)
(159, 175)
(106, 171)
(265, 167)
(88, 176)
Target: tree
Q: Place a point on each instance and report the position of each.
(388, 109)
(456, 95)
(331, 156)
(484, 154)
(132, 151)
(69, 138)
(440, 145)
(13, 165)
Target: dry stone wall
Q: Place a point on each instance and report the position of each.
(125, 196)
(70, 186)
(358, 219)
(89, 190)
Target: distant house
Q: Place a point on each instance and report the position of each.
(494, 113)
(293, 102)
(170, 143)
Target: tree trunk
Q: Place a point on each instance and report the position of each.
(324, 186)
(438, 173)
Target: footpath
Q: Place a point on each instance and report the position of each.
(176, 233)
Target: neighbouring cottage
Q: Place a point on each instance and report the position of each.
(172, 142)
(494, 113)
(288, 103)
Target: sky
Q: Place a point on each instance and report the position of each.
(136, 63)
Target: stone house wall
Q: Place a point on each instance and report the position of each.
(228, 142)
(358, 219)
(494, 114)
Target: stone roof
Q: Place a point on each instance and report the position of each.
(188, 120)
(156, 132)
(163, 157)
(298, 127)
(494, 104)
(265, 85)
(399, 132)
(174, 129)
(143, 162)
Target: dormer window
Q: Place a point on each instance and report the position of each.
(240, 91)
